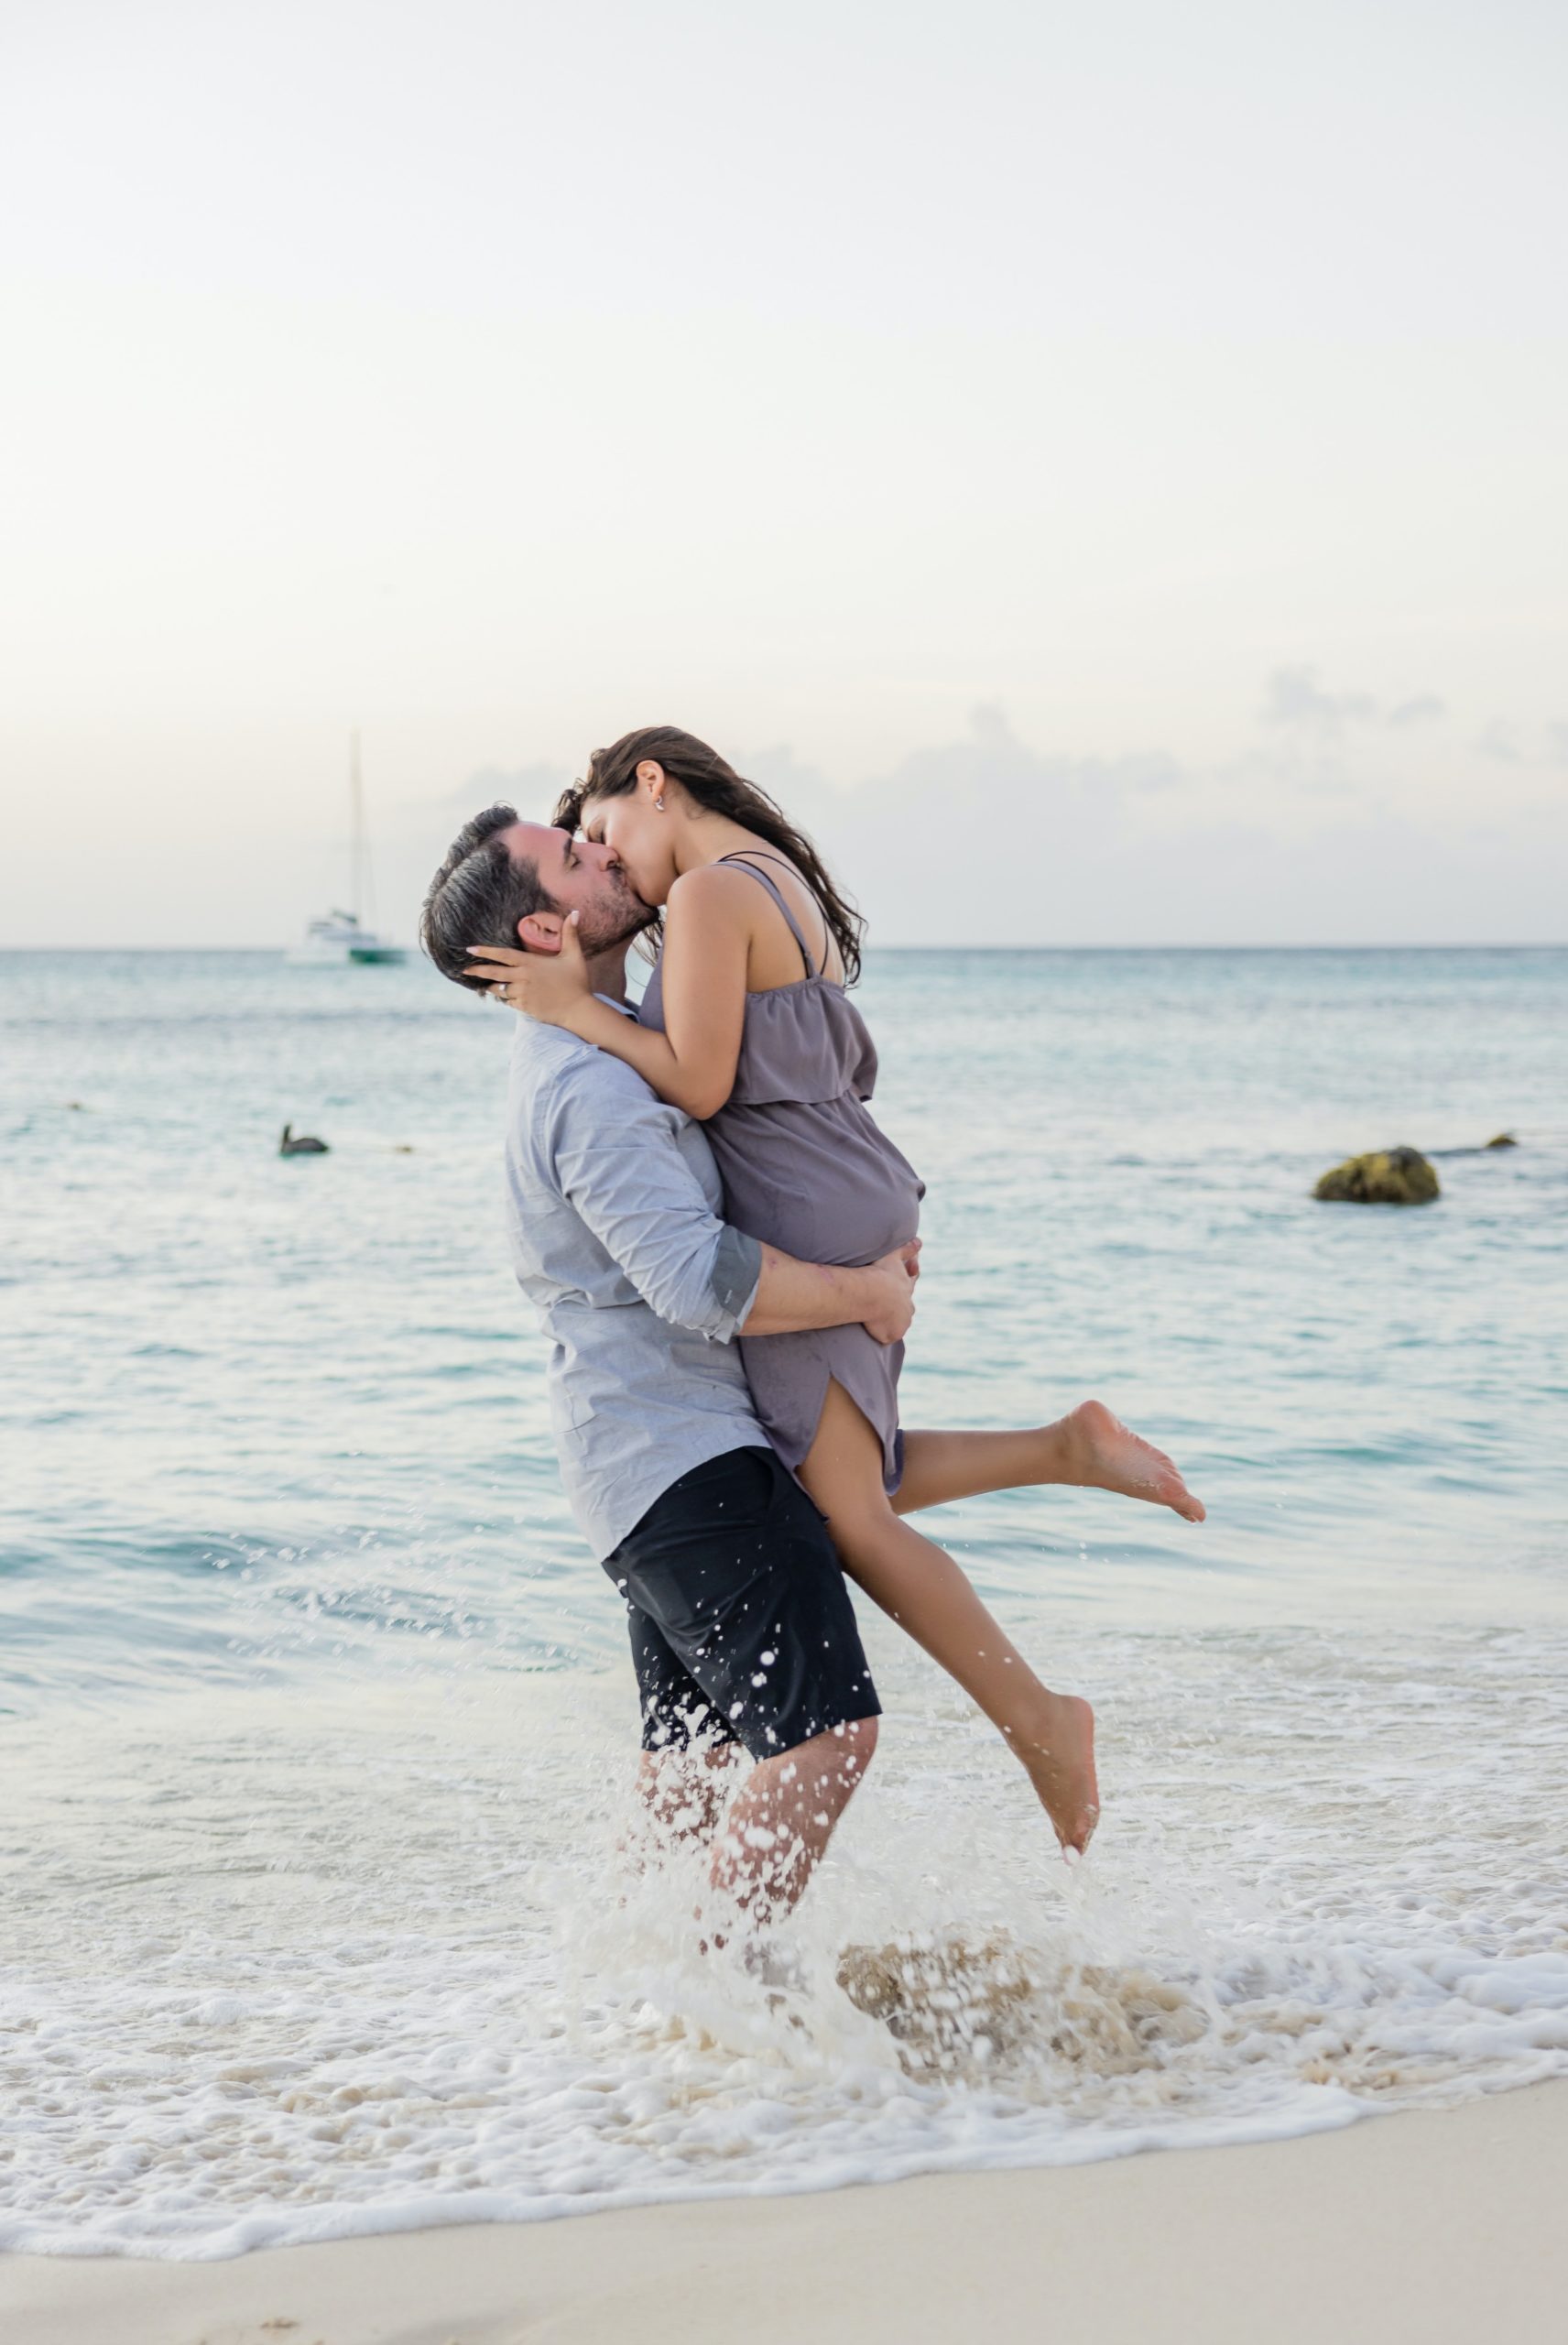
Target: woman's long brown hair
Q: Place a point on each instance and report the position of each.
(714, 786)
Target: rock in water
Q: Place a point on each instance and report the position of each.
(1504, 1139)
(1389, 1176)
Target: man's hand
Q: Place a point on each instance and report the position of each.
(549, 986)
(791, 1295)
(892, 1294)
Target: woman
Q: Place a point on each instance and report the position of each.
(747, 1023)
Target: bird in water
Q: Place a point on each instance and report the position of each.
(300, 1144)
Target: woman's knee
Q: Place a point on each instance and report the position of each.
(867, 1530)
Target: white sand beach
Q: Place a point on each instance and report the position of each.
(991, 577)
(1439, 2226)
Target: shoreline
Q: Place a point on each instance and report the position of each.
(1438, 2224)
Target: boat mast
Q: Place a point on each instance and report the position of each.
(364, 881)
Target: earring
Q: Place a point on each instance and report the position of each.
(658, 805)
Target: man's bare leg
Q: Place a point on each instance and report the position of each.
(1089, 1448)
(685, 1791)
(772, 1834)
(777, 1826)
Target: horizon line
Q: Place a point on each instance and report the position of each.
(1372, 944)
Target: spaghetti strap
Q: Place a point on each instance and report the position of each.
(744, 859)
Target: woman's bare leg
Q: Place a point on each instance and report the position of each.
(920, 1586)
(1089, 1447)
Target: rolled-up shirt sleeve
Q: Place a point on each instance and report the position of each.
(617, 1163)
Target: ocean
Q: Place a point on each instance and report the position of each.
(316, 1718)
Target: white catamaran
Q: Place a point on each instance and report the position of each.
(341, 936)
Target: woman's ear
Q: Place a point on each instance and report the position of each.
(539, 933)
(650, 778)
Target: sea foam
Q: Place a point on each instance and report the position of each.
(288, 1971)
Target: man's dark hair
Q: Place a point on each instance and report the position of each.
(479, 895)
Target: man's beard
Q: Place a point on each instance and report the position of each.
(602, 927)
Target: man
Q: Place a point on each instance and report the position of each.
(742, 1630)
(739, 1619)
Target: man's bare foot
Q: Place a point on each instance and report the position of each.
(1060, 1756)
(1103, 1455)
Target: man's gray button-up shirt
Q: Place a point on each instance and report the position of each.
(614, 1205)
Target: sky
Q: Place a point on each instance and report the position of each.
(1103, 469)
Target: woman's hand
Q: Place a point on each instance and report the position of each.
(549, 987)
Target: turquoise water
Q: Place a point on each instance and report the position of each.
(320, 1713)
(314, 1380)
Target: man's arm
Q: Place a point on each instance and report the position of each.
(614, 1154)
(791, 1295)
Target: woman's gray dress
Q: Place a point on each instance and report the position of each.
(806, 1169)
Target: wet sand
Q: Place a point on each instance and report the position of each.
(1443, 2226)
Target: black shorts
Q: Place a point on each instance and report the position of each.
(741, 1624)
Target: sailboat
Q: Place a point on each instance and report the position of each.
(341, 936)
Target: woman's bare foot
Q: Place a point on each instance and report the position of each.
(1060, 1756)
(1103, 1455)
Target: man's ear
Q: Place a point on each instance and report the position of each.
(539, 933)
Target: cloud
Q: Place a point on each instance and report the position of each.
(1500, 741)
(533, 790)
(984, 840)
(981, 780)
(1295, 699)
(987, 840)
(1419, 711)
(1294, 696)
(1519, 745)
(422, 823)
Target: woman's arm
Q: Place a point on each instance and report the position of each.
(706, 952)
